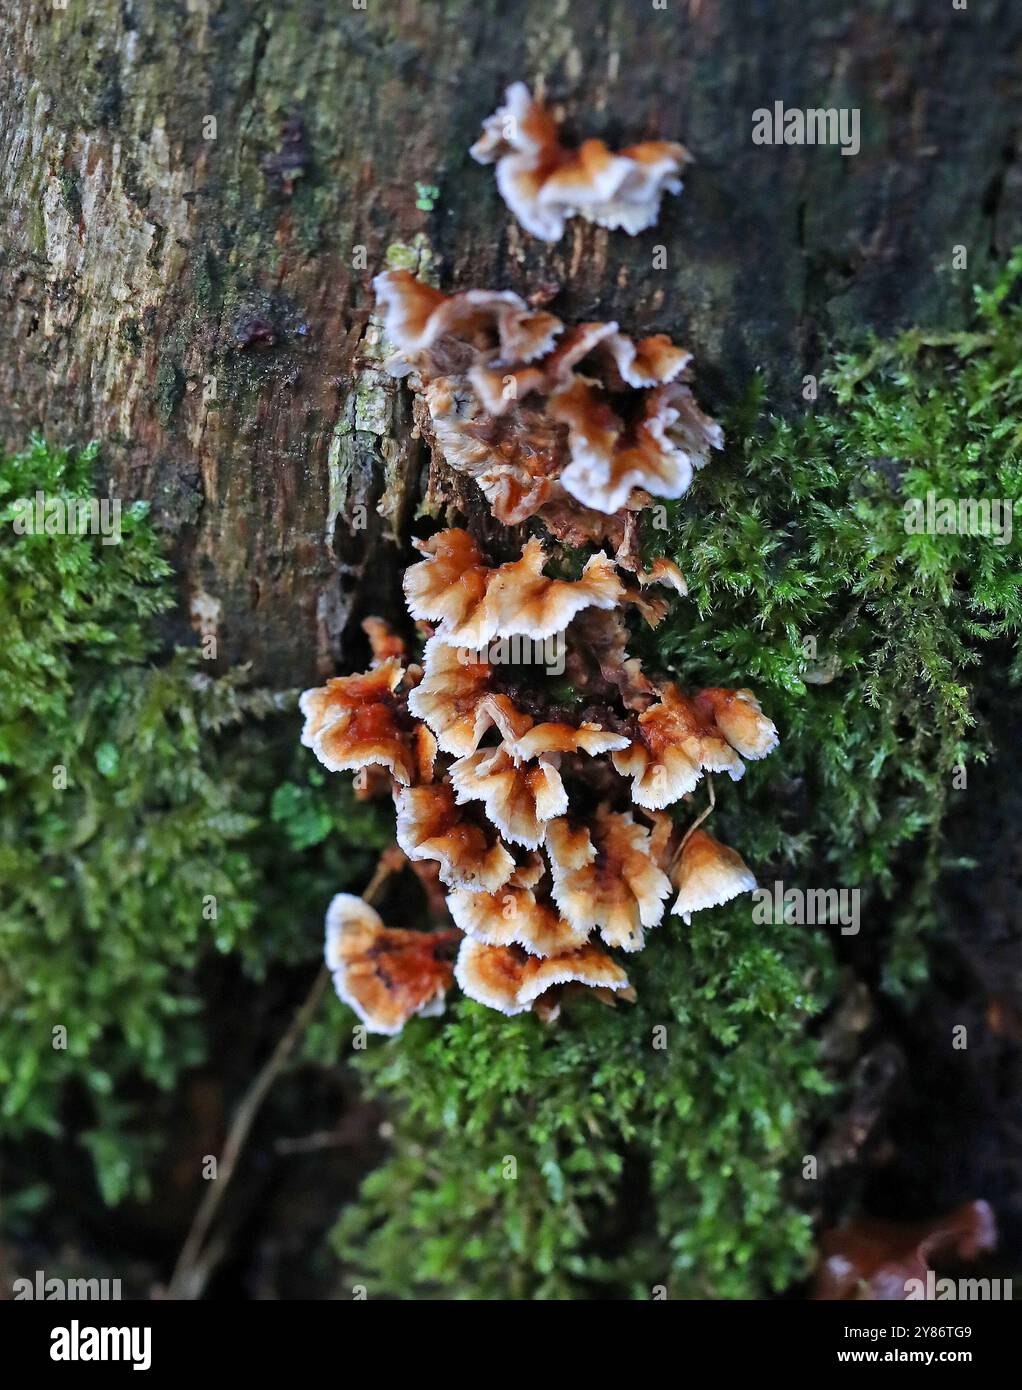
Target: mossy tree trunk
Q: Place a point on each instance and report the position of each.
(186, 186)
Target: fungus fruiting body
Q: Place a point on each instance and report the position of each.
(473, 603)
(384, 973)
(509, 979)
(544, 183)
(543, 819)
(892, 1260)
(708, 874)
(356, 721)
(577, 426)
(547, 825)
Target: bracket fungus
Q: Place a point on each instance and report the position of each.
(891, 1260)
(531, 759)
(509, 979)
(708, 874)
(545, 822)
(361, 721)
(578, 426)
(385, 974)
(516, 915)
(544, 183)
(613, 884)
(474, 603)
(432, 825)
(682, 737)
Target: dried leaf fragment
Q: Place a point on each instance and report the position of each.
(874, 1259)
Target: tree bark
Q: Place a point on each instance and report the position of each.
(186, 184)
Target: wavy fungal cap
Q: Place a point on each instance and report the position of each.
(385, 974)
(544, 183)
(708, 874)
(576, 425)
(510, 980)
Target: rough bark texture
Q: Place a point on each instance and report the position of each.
(147, 253)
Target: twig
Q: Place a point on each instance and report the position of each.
(190, 1274)
(313, 1143)
(700, 818)
(196, 1261)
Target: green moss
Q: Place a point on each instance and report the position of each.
(207, 281)
(142, 831)
(634, 1164)
(416, 256)
(681, 1167)
(863, 638)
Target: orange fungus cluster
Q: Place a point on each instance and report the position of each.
(535, 766)
(546, 819)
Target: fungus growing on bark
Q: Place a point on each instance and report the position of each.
(663, 571)
(474, 603)
(611, 456)
(417, 316)
(738, 716)
(383, 640)
(519, 800)
(544, 183)
(708, 874)
(385, 974)
(578, 426)
(516, 915)
(457, 698)
(361, 721)
(431, 825)
(519, 751)
(665, 760)
(608, 878)
(528, 816)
